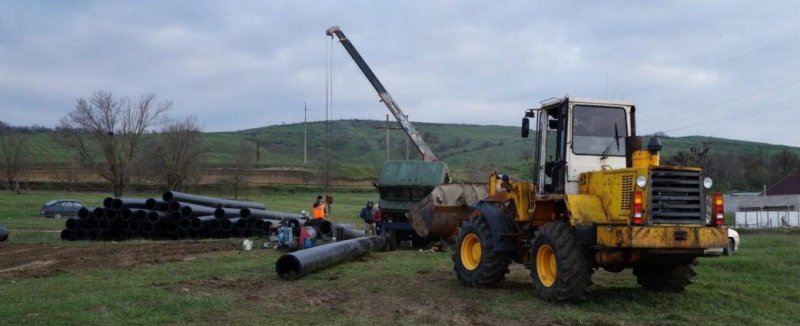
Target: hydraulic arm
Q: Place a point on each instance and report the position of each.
(386, 98)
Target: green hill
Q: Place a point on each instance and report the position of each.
(359, 147)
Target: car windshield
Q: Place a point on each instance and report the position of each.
(594, 129)
(50, 202)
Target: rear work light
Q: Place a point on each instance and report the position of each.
(717, 210)
(637, 208)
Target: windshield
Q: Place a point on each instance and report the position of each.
(594, 129)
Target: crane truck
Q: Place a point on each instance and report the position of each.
(402, 184)
(597, 200)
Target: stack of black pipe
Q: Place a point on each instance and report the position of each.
(177, 216)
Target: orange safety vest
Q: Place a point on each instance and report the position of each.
(319, 211)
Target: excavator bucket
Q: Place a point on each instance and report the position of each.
(439, 213)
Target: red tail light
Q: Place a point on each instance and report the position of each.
(717, 210)
(637, 208)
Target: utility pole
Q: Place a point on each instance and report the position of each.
(388, 126)
(258, 148)
(305, 133)
(387, 137)
(407, 142)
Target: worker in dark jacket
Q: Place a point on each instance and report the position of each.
(368, 215)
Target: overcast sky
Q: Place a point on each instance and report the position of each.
(718, 68)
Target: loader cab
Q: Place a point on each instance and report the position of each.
(575, 136)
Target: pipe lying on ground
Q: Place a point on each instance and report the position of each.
(107, 202)
(119, 203)
(195, 210)
(228, 213)
(209, 201)
(125, 214)
(345, 232)
(74, 223)
(199, 221)
(155, 216)
(272, 215)
(99, 213)
(3, 234)
(301, 263)
(110, 214)
(85, 212)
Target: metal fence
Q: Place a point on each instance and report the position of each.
(768, 219)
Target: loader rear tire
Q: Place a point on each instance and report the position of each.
(474, 259)
(665, 279)
(560, 268)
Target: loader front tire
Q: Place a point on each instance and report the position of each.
(560, 268)
(474, 259)
(665, 279)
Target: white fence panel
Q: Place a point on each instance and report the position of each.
(768, 219)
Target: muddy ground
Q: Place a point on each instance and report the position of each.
(40, 260)
(264, 294)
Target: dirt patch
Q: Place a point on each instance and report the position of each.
(390, 303)
(38, 260)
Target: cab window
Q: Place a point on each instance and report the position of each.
(599, 130)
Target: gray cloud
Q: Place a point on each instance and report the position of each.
(248, 64)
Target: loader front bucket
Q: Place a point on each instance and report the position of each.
(439, 213)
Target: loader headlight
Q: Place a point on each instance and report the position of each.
(641, 181)
(707, 182)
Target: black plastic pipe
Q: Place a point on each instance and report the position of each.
(272, 215)
(185, 223)
(196, 210)
(209, 201)
(301, 263)
(200, 221)
(110, 215)
(344, 232)
(99, 213)
(74, 223)
(228, 213)
(3, 233)
(119, 203)
(85, 212)
(107, 202)
(125, 214)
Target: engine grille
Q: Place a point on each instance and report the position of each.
(676, 197)
(627, 188)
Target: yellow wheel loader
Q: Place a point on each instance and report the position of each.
(597, 200)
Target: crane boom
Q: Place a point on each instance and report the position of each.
(386, 98)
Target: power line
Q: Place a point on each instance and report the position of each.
(737, 115)
(729, 60)
(726, 101)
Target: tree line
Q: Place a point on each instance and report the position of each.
(738, 172)
(111, 136)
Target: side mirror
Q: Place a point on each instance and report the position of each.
(526, 127)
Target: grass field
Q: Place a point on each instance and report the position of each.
(181, 284)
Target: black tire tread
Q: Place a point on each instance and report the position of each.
(574, 274)
(493, 266)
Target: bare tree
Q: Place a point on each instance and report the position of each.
(15, 158)
(107, 132)
(238, 173)
(67, 173)
(177, 154)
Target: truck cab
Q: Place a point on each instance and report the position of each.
(576, 136)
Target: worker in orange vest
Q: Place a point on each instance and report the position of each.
(319, 211)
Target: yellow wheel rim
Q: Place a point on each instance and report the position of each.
(471, 251)
(546, 266)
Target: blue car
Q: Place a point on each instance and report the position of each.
(61, 208)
